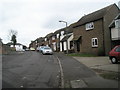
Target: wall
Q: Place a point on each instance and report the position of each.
(85, 43)
(108, 18)
(70, 39)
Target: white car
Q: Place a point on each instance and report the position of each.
(41, 48)
(47, 50)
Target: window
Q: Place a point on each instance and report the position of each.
(117, 23)
(117, 49)
(53, 37)
(94, 42)
(89, 26)
(45, 39)
(62, 32)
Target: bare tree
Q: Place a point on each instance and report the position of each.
(12, 36)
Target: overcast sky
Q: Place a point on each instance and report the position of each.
(36, 18)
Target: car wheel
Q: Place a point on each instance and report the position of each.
(114, 60)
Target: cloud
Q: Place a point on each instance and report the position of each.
(36, 18)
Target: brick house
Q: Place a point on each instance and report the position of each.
(56, 39)
(67, 40)
(48, 40)
(115, 31)
(91, 32)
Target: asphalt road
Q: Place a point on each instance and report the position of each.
(30, 70)
(33, 70)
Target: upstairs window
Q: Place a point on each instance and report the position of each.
(45, 39)
(62, 33)
(53, 37)
(94, 42)
(117, 23)
(89, 26)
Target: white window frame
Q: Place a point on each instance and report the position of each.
(94, 44)
(57, 35)
(45, 39)
(117, 23)
(53, 37)
(62, 33)
(89, 26)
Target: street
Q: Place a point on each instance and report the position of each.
(31, 69)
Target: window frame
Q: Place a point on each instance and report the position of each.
(94, 44)
(89, 26)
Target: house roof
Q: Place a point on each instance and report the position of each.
(12, 43)
(49, 35)
(93, 16)
(113, 22)
(65, 38)
(58, 31)
(76, 37)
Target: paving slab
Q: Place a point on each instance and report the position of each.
(102, 63)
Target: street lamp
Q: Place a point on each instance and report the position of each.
(66, 41)
(64, 22)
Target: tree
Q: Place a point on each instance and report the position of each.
(13, 36)
(13, 39)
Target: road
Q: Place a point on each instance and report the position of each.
(33, 70)
(30, 70)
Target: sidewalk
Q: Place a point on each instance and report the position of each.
(102, 63)
(80, 75)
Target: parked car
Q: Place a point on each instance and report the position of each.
(32, 49)
(41, 48)
(114, 54)
(47, 50)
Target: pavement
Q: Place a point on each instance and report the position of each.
(78, 73)
(102, 63)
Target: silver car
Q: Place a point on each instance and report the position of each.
(47, 50)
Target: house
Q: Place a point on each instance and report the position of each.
(1, 46)
(33, 44)
(67, 40)
(115, 31)
(40, 41)
(18, 46)
(56, 39)
(48, 40)
(91, 33)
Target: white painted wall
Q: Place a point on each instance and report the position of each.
(61, 37)
(65, 47)
(69, 39)
(18, 47)
(54, 46)
(60, 46)
(115, 33)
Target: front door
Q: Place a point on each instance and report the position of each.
(78, 45)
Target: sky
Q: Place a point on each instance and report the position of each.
(37, 18)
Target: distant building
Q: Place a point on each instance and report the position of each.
(18, 46)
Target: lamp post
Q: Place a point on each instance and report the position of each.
(66, 40)
(64, 22)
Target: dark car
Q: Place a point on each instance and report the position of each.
(114, 54)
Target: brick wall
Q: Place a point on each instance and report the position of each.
(86, 43)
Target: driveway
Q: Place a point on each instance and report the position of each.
(102, 63)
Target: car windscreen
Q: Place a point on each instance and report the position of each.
(117, 49)
(47, 48)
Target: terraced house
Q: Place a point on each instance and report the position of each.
(92, 33)
(115, 31)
